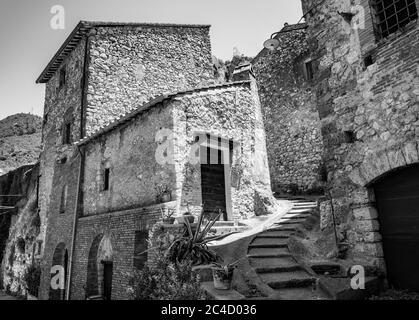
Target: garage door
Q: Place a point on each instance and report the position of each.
(397, 197)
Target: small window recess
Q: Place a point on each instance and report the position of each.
(63, 202)
(67, 133)
(368, 60)
(309, 69)
(62, 78)
(349, 137)
(106, 177)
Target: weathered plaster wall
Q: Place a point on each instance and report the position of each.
(291, 120)
(129, 152)
(378, 105)
(232, 114)
(130, 65)
(58, 162)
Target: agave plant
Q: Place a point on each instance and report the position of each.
(194, 246)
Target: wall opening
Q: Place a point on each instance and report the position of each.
(397, 200)
(59, 269)
(99, 273)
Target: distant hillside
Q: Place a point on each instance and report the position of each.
(20, 141)
(20, 124)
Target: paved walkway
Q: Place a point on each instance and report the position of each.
(4, 296)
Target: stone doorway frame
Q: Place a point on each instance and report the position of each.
(212, 141)
(375, 166)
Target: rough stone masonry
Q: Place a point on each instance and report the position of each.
(367, 96)
(116, 95)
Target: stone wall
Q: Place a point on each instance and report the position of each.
(129, 152)
(232, 114)
(59, 163)
(369, 115)
(291, 120)
(130, 65)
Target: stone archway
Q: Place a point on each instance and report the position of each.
(99, 267)
(59, 269)
(371, 171)
(397, 202)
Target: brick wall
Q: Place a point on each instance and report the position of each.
(120, 227)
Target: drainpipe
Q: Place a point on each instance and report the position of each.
(73, 236)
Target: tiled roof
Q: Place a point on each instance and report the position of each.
(153, 103)
(82, 28)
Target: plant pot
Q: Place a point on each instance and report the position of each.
(189, 217)
(31, 297)
(222, 279)
(169, 220)
(166, 197)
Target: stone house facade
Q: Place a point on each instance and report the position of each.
(367, 96)
(285, 82)
(134, 125)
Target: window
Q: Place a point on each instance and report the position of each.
(38, 251)
(63, 201)
(349, 136)
(106, 179)
(392, 15)
(62, 78)
(309, 70)
(67, 133)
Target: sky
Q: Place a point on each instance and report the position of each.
(28, 42)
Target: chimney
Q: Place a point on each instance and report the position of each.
(243, 72)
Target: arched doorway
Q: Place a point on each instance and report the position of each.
(397, 198)
(100, 268)
(59, 269)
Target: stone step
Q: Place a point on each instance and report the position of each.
(276, 233)
(219, 230)
(306, 293)
(265, 252)
(268, 246)
(278, 269)
(304, 203)
(281, 228)
(298, 210)
(296, 216)
(275, 261)
(293, 279)
(262, 241)
(295, 222)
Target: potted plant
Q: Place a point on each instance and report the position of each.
(164, 194)
(187, 215)
(223, 275)
(167, 217)
(193, 245)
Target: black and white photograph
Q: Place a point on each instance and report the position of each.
(211, 155)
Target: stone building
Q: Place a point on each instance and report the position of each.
(133, 125)
(367, 93)
(285, 81)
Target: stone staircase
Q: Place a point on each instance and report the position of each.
(270, 257)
